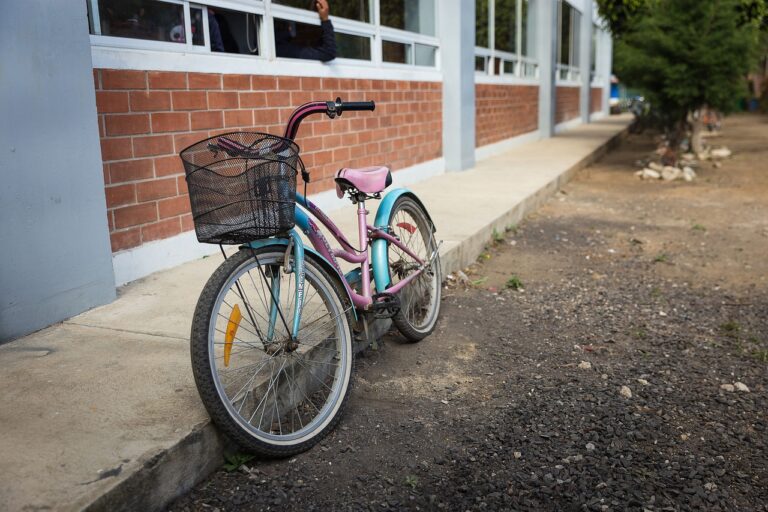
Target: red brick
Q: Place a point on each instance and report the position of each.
(143, 101)
(311, 84)
(155, 189)
(130, 170)
(288, 83)
(120, 195)
(127, 124)
(167, 80)
(110, 222)
(263, 83)
(187, 224)
(135, 215)
(239, 82)
(222, 100)
(189, 100)
(173, 206)
(181, 184)
(152, 145)
(253, 99)
(207, 120)
(265, 117)
(116, 149)
(278, 99)
(96, 79)
(105, 171)
(238, 118)
(204, 81)
(184, 140)
(111, 101)
(159, 230)
(167, 165)
(123, 79)
(127, 239)
(170, 122)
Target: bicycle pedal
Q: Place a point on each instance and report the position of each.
(385, 305)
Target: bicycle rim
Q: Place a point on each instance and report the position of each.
(277, 395)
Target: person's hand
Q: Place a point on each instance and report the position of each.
(323, 9)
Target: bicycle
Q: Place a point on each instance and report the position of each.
(273, 330)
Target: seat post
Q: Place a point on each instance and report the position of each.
(362, 224)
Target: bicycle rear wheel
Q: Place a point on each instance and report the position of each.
(271, 396)
(420, 299)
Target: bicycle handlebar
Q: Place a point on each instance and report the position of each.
(330, 108)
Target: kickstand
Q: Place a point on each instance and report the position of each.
(371, 342)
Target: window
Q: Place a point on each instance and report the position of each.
(358, 10)
(505, 33)
(412, 15)
(407, 30)
(568, 27)
(165, 24)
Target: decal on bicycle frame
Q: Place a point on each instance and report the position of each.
(407, 226)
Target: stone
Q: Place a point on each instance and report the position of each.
(625, 392)
(688, 173)
(741, 387)
(648, 174)
(728, 387)
(590, 447)
(655, 166)
(720, 152)
(670, 173)
(585, 365)
(642, 381)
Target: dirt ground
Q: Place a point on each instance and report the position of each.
(516, 401)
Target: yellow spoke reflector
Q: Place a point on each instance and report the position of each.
(234, 322)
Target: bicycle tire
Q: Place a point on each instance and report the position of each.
(406, 207)
(204, 350)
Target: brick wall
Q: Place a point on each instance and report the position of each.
(503, 111)
(147, 117)
(595, 99)
(566, 104)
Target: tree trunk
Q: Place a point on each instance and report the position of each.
(697, 145)
(676, 137)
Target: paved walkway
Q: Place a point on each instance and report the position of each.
(101, 412)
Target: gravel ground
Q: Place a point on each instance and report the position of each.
(629, 374)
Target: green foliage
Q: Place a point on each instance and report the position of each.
(514, 283)
(619, 14)
(661, 258)
(411, 481)
(497, 237)
(686, 54)
(233, 461)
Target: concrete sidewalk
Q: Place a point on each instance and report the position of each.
(101, 413)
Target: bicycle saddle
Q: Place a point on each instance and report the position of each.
(369, 180)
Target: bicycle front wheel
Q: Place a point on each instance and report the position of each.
(272, 395)
(420, 299)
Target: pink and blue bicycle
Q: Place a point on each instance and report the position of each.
(275, 326)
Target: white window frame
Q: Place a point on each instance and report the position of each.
(128, 53)
(519, 61)
(568, 74)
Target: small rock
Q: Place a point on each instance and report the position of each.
(688, 174)
(710, 486)
(462, 277)
(741, 387)
(642, 381)
(625, 392)
(590, 447)
(688, 157)
(517, 455)
(670, 173)
(585, 365)
(684, 437)
(648, 174)
(655, 166)
(728, 387)
(720, 153)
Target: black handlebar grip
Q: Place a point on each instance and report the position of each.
(351, 106)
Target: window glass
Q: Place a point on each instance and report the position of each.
(505, 25)
(482, 38)
(142, 19)
(392, 51)
(425, 55)
(479, 63)
(509, 67)
(412, 15)
(233, 31)
(353, 47)
(593, 50)
(565, 23)
(198, 36)
(359, 10)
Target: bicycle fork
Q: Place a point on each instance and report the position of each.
(296, 245)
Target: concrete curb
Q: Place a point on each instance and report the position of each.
(174, 471)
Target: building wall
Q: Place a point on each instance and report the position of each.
(596, 99)
(504, 111)
(566, 104)
(54, 256)
(147, 117)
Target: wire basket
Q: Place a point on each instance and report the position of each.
(242, 186)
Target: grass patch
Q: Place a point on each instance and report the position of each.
(233, 461)
(698, 227)
(514, 283)
(661, 258)
(497, 237)
(478, 282)
(511, 228)
(730, 326)
(411, 481)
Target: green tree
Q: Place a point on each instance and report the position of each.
(684, 54)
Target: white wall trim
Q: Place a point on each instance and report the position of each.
(141, 261)
(482, 78)
(567, 125)
(595, 116)
(497, 148)
(107, 57)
